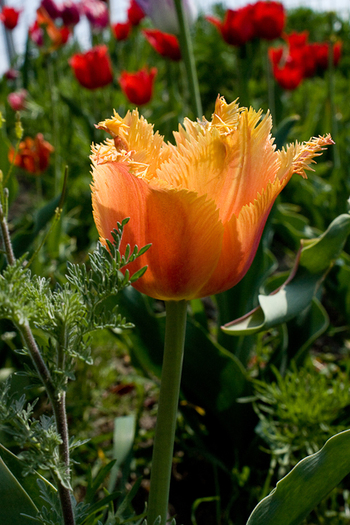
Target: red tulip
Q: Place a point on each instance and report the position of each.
(296, 40)
(9, 17)
(202, 203)
(93, 69)
(33, 154)
(269, 19)
(238, 25)
(138, 87)
(135, 13)
(287, 68)
(322, 54)
(289, 76)
(121, 30)
(165, 44)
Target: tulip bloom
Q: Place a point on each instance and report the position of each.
(237, 28)
(165, 44)
(51, 8)
(92, 69)
(33, 154)
(135, 13)
(121, 30)
(138, 87)
(9, 17)
(322, 54)
(269, 19)
(96, 12)
(70, 13)
(202, 203)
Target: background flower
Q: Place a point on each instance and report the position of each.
(121, 30)
(17, 99)
(33, 154)
(9, 17)
(93, 69)
(138, 86)
(165, 44)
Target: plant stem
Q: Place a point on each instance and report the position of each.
(57, 399)
(6, 238)
(176, 312)
(188, 58)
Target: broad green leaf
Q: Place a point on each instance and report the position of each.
(316, 258)
(28, 482)
(306, 485)
(15, 501)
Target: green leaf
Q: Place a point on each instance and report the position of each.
(28, 482)
(14, 499)
(123, 440)
(283, 130)
(23, 240)
(316, 258)
(306, 485)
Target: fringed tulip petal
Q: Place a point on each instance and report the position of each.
(202, 203)
(183, 228)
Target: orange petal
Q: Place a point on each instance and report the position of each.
(241, 240)
(184, 230)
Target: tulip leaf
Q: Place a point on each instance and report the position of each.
(306, 485)
(283, 130)
(27, 482)
(15, 501)
(123, 440)
(316, 258)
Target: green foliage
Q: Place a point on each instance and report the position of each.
(300, 411)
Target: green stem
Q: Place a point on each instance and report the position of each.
(188, 58)
(176, 312)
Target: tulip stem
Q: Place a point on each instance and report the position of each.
(176, 312)
(188, 58)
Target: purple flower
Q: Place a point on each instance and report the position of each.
(70, 13)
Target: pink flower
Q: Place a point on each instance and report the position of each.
(96, 12)
(17, 99)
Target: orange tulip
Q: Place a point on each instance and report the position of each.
(202, 203)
